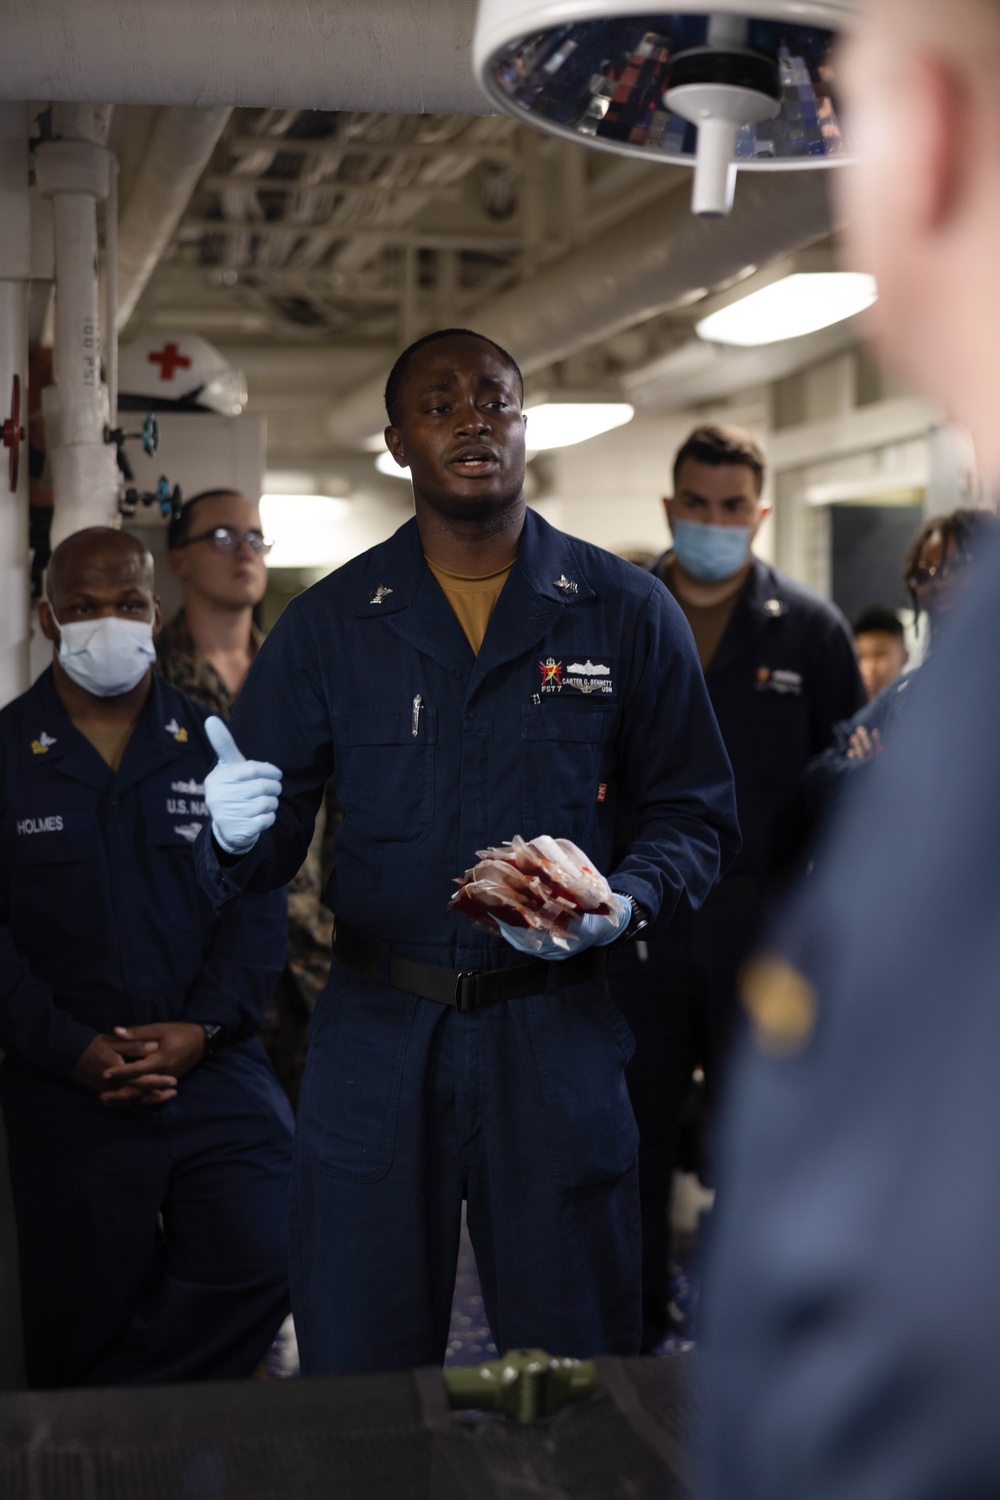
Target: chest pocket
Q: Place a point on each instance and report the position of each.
(57, 848)
(55, 879)
(785, 739)
(384, 773)
(174, 815)
(568, 755)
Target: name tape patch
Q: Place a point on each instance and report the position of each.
(580, 676)
(775, 680)
(52, 824)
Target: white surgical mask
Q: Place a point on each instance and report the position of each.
(106, 657)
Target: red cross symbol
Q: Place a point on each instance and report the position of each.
(169, 359)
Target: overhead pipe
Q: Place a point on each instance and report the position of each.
(382, 56)
(646, 265)
(179, 150)
(73, 169)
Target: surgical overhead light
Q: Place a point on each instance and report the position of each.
(304, 529)
(787, 301)
(560, 424)
(748, 84)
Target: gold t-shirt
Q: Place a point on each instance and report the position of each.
(110, 744)
(708, 624)
(472, 599)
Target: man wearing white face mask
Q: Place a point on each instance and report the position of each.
(780, 668)
(149, 1141)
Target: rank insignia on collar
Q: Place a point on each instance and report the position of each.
(41, 745)
(565, 585)
(377, 595)
(773, 606)
(178, 731)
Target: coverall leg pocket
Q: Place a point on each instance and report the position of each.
(581, 1044)
(350, 1092)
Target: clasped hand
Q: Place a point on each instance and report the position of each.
(141, 1065)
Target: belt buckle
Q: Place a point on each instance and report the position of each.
(465, 990)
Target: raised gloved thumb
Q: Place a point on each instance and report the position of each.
(222, 742)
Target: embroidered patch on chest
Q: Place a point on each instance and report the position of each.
(776, 680)
(577, 676)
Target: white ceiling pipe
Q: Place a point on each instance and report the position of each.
(697, 372)
(649, 263)
(74, 171)
(179, 150)
(386, 56)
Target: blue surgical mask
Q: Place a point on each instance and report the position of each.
(108, 656)
(711, 553)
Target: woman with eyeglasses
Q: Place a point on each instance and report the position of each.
(217, 550)
(936, 574)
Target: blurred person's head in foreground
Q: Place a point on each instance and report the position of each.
(922, 205)
(939, 563)
(880, 644)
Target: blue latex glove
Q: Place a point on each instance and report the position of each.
(242, 795)
(586, 931)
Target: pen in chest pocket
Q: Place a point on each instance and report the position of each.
(418, 704)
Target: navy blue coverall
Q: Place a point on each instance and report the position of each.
(853, 1297)
(784, 673)
(102, 923)
(584, 715)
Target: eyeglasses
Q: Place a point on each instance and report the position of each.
(937, 573)
(227, 539)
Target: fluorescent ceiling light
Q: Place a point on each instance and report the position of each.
(290, 482)
(304, 529)
(559, 424)
(386, 464)
(789, 308)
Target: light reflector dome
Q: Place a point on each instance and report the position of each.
(787, 309)
(600, 71)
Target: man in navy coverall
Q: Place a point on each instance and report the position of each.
(780, 668)
(443, 1064)
(149, 1142)
(854, 1300)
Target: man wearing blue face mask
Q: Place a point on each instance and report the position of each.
(148, 1139)
(780, 669)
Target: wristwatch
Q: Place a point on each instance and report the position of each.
(636, 923)
(213, 1036)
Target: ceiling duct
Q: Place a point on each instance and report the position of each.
(649, 263)
(389, 56)
(179, 150)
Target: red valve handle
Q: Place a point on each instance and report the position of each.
(13, 433)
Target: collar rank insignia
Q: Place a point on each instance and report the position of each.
(178, 731)
(565, 585)
(773, 607)
(41, 745)
(377, 595)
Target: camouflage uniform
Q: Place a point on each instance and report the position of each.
(310, 925)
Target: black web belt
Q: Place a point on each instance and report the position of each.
(465, 989)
